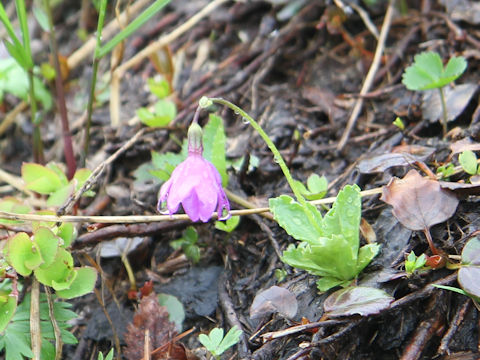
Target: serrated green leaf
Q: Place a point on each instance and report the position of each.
(366, 255)
(47, 243)
(8, 305)
(468, 161)
(291, 216)
(83, 283)
(176, 312)
(344, 216)
(21, 255)
(214, 146)
(40, 178)
(455, 67)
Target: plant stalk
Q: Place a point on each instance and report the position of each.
(91, 97)
(37, 144)
(67, 136)
(444, 111)
(35, 332)
(56, 328)
(276, 155)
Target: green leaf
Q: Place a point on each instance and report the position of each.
(214, 146)
(164, 112)
(317, 187)
(328, 282)
(83, 283)
(13, 205)
(427, 71)
(192, 252)
(160, 89)
(176, 312)
(344, 216)
(40, 179)
(290, 215)
(21, 254)
(165, 164)
(8, 305)
(231, 338)
(60, 196)
(59, 271)
(41, 17)
(67, 232)
(229, 225)
(468, 161)
(47, 245)
(366, 255)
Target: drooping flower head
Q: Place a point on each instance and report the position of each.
(196, 184)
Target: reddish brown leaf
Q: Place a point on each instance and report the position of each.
(419, 203)
(153, 317)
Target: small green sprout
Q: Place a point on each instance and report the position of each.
(316, 187)
(217, 344)
(109, 356)
(229, 225)
(413, 263)
(188, 243)
(468, 161)
(427, 72)
(399, 123)
(446, 170)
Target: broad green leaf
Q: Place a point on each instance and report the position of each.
(206, 342)
(471, 252)
(83, 283)
(214, 145)
(366, 255)
(13, 205)
(216, 336)
(291, 216)
(59, 170)
(60, 196)
(164, 112)
(47, 243)
(468, 161)
(59, 271)
(165, 164)
(192, 252)
(469, 273)
(317, 187)
(40, 179)
(455, 67)
(231, 338)
(8, 304)
(344, 216)
(21, 255)
(176, 312)
(328, 282)
(358, 300)
(229, 225)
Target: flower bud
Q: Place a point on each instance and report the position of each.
(195, 135)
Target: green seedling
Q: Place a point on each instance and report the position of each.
(414, 263)
(331, 249)
(427, 72)
(468, 161)
(15, 337)
(164, 110)
(316, 187)
(217, 344)
(188, 243)
(51, 180)
(109, 356)
(399, 123)
(446, 170)
(229, 225)
(176, 312)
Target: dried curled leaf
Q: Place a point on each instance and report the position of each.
(153, 317)
(272, 300)
(419, 203)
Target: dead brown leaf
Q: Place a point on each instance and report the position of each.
(272, 300)
(419, 203)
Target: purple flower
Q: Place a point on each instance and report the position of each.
(196, 184)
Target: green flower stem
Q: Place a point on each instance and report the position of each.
(276, 154)
(91, 97)
(38, 156)
(444, 111)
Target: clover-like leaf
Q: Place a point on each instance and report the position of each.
(59, 271)
(22, 254)
(8, 304)
(469, 272)
(83, 283)
(47, 243)
(427, 71)
(40, 178)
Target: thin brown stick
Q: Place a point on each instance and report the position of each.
(370, 76)
(56, 328)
